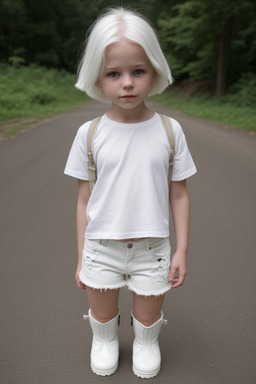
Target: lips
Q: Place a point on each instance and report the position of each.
(127, 97)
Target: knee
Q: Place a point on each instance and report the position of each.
(104, 317)
(147, 321)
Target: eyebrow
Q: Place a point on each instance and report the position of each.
(135, 66)
(141, 64)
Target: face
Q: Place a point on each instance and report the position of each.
(127, 76)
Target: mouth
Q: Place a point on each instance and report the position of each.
(128, 97)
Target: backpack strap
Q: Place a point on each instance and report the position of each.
(91, 165)
(169, 132)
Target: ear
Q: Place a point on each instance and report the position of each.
(155, 76)
(98, 84)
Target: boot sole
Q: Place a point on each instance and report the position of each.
(144, 375)
(105, 372)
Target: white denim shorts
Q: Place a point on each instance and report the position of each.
(142, 265)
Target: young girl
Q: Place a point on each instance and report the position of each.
(123, 225)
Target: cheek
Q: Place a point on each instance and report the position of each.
(108, 88)
(146, 84)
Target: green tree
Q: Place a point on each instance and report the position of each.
(202, 35)
(52, 32)
(12, 17)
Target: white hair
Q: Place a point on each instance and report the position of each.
(111, 27)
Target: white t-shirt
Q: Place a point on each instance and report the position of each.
(131, 196)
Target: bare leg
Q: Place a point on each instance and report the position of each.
(103, 304)
(147, 309)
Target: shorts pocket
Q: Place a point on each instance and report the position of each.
(90, 253)
(160, 248)
(161, 258)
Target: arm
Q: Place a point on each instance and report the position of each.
(179, 202)
(82, 201)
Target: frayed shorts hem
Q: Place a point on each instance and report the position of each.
(122, 284)
(147, 293)
(101, 287)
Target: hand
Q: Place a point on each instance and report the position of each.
(78, 282)
(178, 269)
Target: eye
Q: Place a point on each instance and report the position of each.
(113, 74)
(139, 72)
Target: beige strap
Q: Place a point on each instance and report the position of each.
(91, 165)
(169, 132)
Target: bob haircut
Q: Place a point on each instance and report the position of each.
(112, 26)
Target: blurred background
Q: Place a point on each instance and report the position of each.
(210, 46)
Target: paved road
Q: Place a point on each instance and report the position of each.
(211, 331)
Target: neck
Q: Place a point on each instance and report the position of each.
(134, 115)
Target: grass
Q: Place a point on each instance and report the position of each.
(221, 110)
(29, 94)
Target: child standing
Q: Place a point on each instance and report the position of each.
(123, 225)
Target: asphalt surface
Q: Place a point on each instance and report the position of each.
(211, 331)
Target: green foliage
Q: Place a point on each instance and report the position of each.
(243, 94)
(51, 33)
(192, 32)
(185, 33)
(213, 108)
(36, 91)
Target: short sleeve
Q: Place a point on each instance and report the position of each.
(77, 163)
(184, 165)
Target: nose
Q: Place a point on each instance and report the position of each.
(127, 82)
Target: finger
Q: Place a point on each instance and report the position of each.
(172, 274)
(80, 284)
(178, 281)
(176, 284)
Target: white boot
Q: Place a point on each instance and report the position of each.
(105, 345)
(146, 351)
